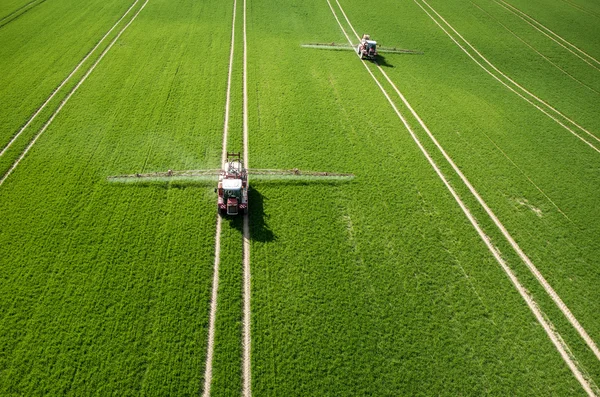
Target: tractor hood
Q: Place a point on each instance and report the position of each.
(232, 184)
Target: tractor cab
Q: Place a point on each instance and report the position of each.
(367, 48)
(233, 187)
(232, 195)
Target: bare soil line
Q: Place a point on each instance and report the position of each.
(208, 368)
(247, 319)
(19, 12)
(545, 323)
(580, 8)
(572, 48)
(64, 102)
(65, 81)
(246, 343)
(213, 311)
(516, 85)
(535, 50)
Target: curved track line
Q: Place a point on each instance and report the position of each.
(208, 368)
(247, 319)
(503, 74)
(539, 26)
(535, 50)
(62, 104)
(19, 12)
(65, 81)
(547, 287)
(516, 84)
(580, 8)
(546, 324)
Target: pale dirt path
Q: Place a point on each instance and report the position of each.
(247, 320)
(23, 9)
(546, 324)
(535, 50)
(580, 8)
(540, 101)
(65, 81)
(572, 48)
(62, 104)
(208, 368)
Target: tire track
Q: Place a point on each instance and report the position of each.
(535, 50)
(580, 8)
(548, 327)
(208, 368)
(547, 287)
(16, 14)
(540, 103)
(572, 48)
(65, 81)
(64, 102)
(247, 319)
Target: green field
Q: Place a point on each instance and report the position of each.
(375, 286)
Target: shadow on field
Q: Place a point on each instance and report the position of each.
(382, 62)
(259, 230)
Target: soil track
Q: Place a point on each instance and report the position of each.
(572, 48)
(540, 105)
(548, 327)
(63, 103)
(65, 81)
(534, 49)
(19, 12)
(247, 366)
(215, 285)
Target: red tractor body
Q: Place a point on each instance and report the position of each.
(233, 187)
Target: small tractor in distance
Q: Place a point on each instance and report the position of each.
(367, 48)
(232, 188)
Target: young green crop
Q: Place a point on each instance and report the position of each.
(107, 286)
(380, 286)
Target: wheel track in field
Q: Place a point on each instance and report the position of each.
(535, 50)
(572, 48)
(580, 8)
(71, 93)
(547, 325)
(19, 12)
(511, 84)
(210, 348)
(64, 82)
(247, 320)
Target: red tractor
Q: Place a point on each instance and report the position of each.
(367, 48)
(233, 187)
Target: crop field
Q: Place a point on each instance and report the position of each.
(463, 257)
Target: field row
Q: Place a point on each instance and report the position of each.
(378, 286)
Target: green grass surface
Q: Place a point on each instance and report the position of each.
(107, 286)
(374, 286)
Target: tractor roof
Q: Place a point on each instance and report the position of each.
(371, 42)
(232, 184)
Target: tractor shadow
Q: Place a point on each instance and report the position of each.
(381, 61)
(259, 229)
